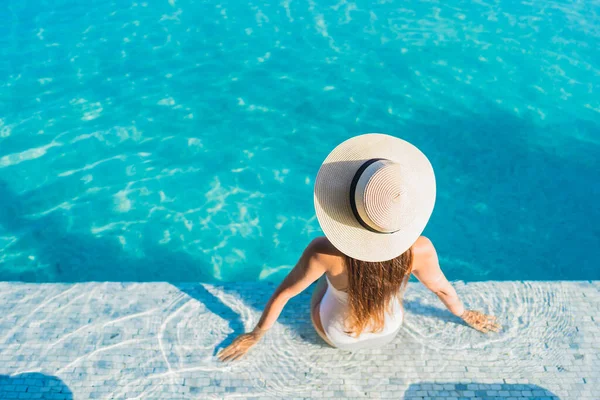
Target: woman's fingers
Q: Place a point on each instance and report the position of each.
(235, 350)
(493, 324)
(237, 356)
(224, 354)
(492, 327)
(229, 356)
(481, 322)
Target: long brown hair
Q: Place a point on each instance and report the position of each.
(371, 286)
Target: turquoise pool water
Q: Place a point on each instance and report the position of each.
(179, 140)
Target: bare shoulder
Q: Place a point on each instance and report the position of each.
(423, 246)
(321, 250)
(423, 252)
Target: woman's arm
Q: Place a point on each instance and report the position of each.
(308, 269)
(426, 268)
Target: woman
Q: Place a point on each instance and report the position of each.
(373, 196)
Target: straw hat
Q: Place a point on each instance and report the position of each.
(374, 194)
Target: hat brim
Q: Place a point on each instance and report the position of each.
(332, 196)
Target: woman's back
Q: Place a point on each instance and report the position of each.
(355, 298)
(333, 312)
(337, 273)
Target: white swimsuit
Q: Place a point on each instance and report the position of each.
(333, 312)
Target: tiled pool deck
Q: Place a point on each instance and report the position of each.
(158, 340)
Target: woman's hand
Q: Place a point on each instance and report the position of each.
(480, 321)
(240, 346)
